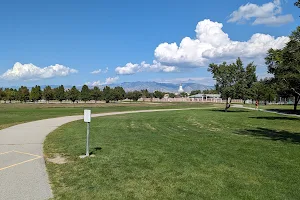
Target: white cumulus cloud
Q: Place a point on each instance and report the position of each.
(131, 68)
(213, 45)
(108, 81)
(99, 71)
(267, 14)
(32, 72)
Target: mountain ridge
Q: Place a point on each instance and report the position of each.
(151, 86)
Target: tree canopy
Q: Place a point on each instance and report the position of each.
(232, 80)
(36, 93)
(85, 93)
(284, 64)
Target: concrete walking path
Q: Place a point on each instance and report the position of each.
(22, 166)
(268, 111)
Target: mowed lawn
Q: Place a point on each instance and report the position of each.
(196, 154)
(12, 114)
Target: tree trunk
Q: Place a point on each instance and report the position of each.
(296, 102)
(227, 104)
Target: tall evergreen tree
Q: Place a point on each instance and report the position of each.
(107, 94)
(48, 93)
(36, 93)
(59, 93)
(96, 94)
(23, 94)
(85, 93)
(73, 94)
(118, 93)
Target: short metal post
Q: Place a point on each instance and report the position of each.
(87, 139)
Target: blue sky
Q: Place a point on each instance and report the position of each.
(80, 37)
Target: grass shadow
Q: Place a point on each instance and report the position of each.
(233, 111)
(276, 118)
(95, 149)
(285, 111)
(274, 135)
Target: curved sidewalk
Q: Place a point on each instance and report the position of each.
(22, 166)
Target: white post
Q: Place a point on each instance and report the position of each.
(87, 119)
(87, 139)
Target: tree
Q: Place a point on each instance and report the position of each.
(284, 64)
(158, 94)
(96, 94)
(172, 95)
(183, 94)
(85, 93)
(194, 92)
(297, 3)
(118, 93)
(48, 93)
(23, 94)
(36, 93)
(2, 94)
(107, 94)
(129, 95)
(73, 94)
(136, 95)
(228, 79)
(263, 90)
(59, 93)
(145, 94)
(210, 91)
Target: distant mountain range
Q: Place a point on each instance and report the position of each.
(164, 87)
(150, 86)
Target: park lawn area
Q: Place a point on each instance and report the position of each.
(194, 154)
(12, 114)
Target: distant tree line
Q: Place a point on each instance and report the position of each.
(107, 94)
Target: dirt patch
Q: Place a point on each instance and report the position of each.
(57, 159)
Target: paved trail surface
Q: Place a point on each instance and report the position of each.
(22, 166)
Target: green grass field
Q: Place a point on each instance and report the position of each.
(196, 154)
(12, 114)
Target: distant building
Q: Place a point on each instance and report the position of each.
(205, 96)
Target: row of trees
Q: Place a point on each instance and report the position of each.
(236, 81)
(108, 94)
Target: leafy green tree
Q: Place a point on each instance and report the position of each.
(172, 95)
(129, 95)
(158, 94)
(118, 94)
(136, 95)
(23, 94)
(9, 94)
(96, 94)
(59, 93)
(73, 94)
(210, 91)
(244, 85)
(107, 94)
(228, 79)
(183, 94)
(284, 64)
(85, 93)
(194, 92)
(36, 93)
(1, 94)
(48, 93)
(297, 3)
(145, 94)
